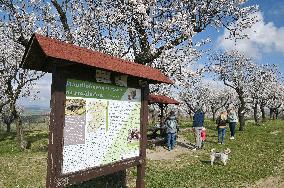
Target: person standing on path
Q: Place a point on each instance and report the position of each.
(232, 119)
(222, 125)
(198, 120)
(171, 125)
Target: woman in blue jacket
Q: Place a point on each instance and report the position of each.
(198, 120)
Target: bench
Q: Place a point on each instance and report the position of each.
(154, 132)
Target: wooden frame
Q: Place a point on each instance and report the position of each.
(55, 147)
(61, 59)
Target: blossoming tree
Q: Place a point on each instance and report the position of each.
(234, 70)
(141, 30)
(262, 86)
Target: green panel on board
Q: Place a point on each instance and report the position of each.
(85, 89)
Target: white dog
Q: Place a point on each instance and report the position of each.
(222, 156)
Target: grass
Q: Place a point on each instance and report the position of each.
(255, 154)
(27, 168)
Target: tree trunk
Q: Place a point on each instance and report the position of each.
(262, 113)
(276, 113)
(19, 130)
(271, 113)
(190, 115)
(255, 114)
(8, 127)
(22, 143)
(241, 113)
(213, 114)
(8, 119)
(241, 120)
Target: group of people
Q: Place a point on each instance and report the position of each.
(223, 119)
(230, 117)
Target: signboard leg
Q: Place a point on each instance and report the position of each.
(140, 182)
(55, 127)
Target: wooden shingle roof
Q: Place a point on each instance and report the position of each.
(161, 99)
(43, 53)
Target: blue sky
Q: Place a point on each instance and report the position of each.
(273, 12)
(266, 42)
(266, 45)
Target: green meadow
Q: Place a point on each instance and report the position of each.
(256, 154)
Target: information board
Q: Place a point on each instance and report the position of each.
(102, 124)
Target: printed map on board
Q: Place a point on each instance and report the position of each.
(107, 129)
(98, 112)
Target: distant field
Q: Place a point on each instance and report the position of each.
(36, 110)
(256, 154)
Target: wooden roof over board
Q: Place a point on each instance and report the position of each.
(161, 99)
(43, 53)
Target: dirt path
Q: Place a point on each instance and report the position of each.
(161, 152)
(184, 147)
(272, 182)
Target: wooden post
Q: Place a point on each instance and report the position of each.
(166, 109)
(162, 114)
(162, 120)
(140, 182)
(55, 127)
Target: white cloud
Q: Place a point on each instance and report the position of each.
(263, 38)
(43, 85)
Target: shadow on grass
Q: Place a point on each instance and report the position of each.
(213, 135)
(185, 145)
(115, 180)
(7, 136)
(212, 142)
(34, 136)
(38, 140)
(213, 128)
(8, 144)
(207, 162)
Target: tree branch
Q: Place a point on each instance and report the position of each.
(229, 85)
(170, 45)
(64, 21)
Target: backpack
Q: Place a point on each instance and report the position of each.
(172, 125)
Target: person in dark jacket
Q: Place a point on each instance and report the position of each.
(171, 125)
(198, 120)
